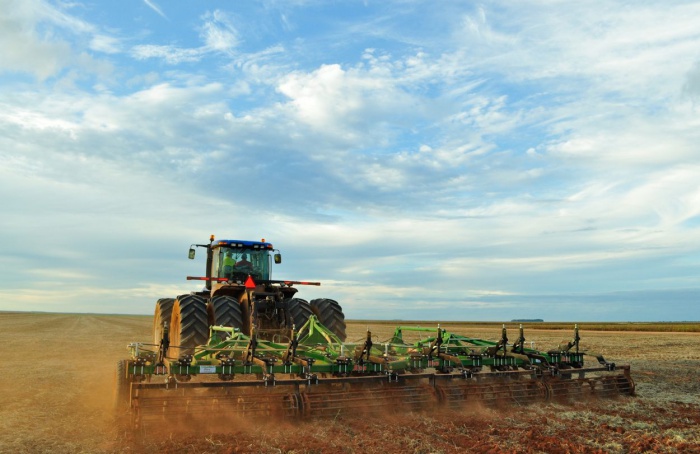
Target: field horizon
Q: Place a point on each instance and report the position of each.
(642, 326)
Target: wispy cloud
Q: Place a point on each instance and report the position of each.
(218, 36)
(171, 54)
(155, 8)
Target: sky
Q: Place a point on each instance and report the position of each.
(424, 160)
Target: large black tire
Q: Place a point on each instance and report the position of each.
(122, 387)
(189, 324)
(299, 311)
(330, 314)
(225, 311)
(164, 310)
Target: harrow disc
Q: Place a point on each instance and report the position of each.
(346, 398)
(184, 404)
(625, 385)
(458, 393)
(563, 389)
(122, 387)
(613, 385)
(569, 389)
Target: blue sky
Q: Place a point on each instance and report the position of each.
(442, 161)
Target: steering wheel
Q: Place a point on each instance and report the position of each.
(245, 268)
(239, 276)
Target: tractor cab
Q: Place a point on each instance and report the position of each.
(231, 262)
(235, 260)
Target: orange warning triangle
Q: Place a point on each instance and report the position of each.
(250, 283)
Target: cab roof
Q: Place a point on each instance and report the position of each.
(243, 244)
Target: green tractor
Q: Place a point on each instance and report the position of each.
(239, 293)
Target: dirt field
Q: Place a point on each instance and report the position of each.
(56, 397)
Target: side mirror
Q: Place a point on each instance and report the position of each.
(278, 258)
(190, 255)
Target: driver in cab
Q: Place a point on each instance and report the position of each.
(228, 264)
(244, 263)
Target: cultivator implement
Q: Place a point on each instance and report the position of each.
(312, 373)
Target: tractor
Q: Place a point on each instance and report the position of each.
(246, 346)
(239, 293)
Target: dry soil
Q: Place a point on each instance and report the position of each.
(56, 396)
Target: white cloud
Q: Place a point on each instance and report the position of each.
(340, 102)
(22, 48)
(105, 44)
(691, 87)
(40, 39)
(526, 151)
(218, 32)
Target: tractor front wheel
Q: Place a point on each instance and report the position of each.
(225, 311)
(330, 314)
(299, 312)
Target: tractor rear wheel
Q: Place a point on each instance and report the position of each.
(330, 314)
(299, 311)
(164, 309)
(225, 311)
(189, 324)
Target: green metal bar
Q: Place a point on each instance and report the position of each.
(320, 351)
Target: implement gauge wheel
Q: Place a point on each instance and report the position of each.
(164, 309)
(225, 311)
(330, 314)
(189, 324)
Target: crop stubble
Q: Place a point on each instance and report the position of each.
(56, 396)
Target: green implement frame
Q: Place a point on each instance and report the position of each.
(313, 373)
